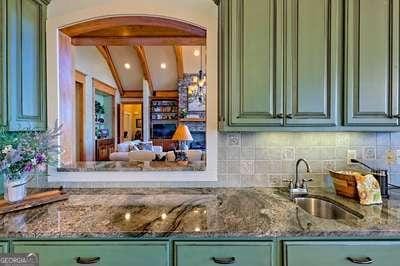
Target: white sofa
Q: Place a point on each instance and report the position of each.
(125, 153)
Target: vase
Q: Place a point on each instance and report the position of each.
(15, 188)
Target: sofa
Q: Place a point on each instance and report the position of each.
(128, 151)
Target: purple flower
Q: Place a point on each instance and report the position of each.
(28, 167)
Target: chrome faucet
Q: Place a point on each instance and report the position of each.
(296, 187)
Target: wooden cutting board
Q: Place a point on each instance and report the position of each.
(33, 200)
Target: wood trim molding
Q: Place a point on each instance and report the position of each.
(179, 61)
(104, 23)
(105, 52)
(80, 77)
(147, 41)
(103, 87)
(145, 66)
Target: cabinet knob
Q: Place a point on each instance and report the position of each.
(395, 116)
(289, 116)
(280, 116)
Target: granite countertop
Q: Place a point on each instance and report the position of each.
(228, 212)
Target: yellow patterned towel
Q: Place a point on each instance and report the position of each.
(368, 189)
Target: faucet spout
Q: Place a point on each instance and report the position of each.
(296, 184)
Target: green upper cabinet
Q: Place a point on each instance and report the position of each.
(3, 95)
(312, 49)
(252, 79)
(371, 62)
(26, 62)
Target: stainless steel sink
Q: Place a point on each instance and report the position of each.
(326, 208)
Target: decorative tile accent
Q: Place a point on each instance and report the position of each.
(369, 153)
(288, 154)
(234, 139)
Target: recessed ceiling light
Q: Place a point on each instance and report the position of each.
(163, 65)
(196, 52)
(127, 66)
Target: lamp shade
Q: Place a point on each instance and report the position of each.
(182, 133)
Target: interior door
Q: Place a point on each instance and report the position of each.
(312, 49)
(255, 90)
(372, 60)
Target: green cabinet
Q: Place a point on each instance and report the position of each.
(302, 65)
(4, 247)
(371, 62)
(341, 253)
(312, 52)
(229, 252)
(25, 63)
(3, 85)
(253, 81)
(106, 253)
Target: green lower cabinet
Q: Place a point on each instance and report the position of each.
(341, 253)
(104, 253)
(4, 247)
(231, 252)
(3, 85)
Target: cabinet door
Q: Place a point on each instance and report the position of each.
(3, 85)
(254, 83)
(26, 64)
(341, 253)
(106, 253)
(312, 49)
(372, 57)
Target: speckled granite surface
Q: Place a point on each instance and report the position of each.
(119, 166)
(225, 212)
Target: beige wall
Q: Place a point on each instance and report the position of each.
(199, 12)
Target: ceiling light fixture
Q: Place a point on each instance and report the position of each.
(163, 65)
(127, 66)
(196, 52)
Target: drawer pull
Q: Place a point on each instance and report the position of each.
(93, 260)
(230, 260)
(365, 260)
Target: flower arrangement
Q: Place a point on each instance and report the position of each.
(28, 153)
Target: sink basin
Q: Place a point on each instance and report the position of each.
(326, 208)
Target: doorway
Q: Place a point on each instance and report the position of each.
(131, 125)
(80, 87)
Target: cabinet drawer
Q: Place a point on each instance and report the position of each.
(121, 253)
(340, 253)
(217, 253)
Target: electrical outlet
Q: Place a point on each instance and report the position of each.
(351, 154)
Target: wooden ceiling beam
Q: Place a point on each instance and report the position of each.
(145, 41)
(145, 66)
(133, 94)
(179, 61)
(105, 52)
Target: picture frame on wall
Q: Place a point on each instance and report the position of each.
(196, 101)
(139, 123)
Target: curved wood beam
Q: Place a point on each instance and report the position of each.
(179, 61)
(104, 23)
(105, 52)
(145, 66)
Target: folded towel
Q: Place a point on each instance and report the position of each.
(368, 189)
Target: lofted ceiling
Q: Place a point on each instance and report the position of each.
(162, 79)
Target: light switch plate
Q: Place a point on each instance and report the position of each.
(351, 154)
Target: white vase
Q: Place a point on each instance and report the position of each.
(15, 190)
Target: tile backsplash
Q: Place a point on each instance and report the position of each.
(267, 159)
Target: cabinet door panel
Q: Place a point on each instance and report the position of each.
(3, 85)
(372, 45)
(255, 95)
(26, 65)
(312, 61)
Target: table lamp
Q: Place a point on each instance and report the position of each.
(182, 134)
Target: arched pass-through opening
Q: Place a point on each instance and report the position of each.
(135, 31)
